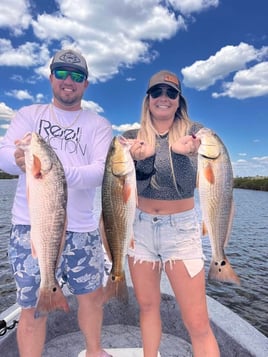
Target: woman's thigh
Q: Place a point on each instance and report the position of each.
(190, 293)
(145, 277)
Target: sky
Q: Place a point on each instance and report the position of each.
(218, 49)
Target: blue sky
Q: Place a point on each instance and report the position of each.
(219, 50)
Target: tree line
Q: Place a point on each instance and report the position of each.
(4, 175)
(250, 183)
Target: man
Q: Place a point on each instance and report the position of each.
(81, 139)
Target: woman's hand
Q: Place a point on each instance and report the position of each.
(20, 159)
(187, 145)
(140, 150)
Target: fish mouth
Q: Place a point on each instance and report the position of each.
(209, 150)
(208, 157)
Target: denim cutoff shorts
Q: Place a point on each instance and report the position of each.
(167, 238)
(81, 265)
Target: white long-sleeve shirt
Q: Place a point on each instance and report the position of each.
(82, 149)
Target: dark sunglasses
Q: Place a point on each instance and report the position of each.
(158, 91)
(63, 74)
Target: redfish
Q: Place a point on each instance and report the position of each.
(118, 210)
(215, 185)
(47, 200)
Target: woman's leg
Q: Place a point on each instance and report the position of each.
(191, 296)
(146, 281)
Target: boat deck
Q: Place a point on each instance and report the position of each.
(119, 341)
(121, 333)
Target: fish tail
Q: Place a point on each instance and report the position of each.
(116, 287)
(223, 271)
(50, 300)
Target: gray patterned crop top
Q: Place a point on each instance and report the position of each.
(154, 174)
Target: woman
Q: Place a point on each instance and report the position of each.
(166, 228)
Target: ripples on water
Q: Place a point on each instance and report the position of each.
(247, 252)
(7, 285)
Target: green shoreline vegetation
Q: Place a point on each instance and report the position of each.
(259, 183)
(4, 175)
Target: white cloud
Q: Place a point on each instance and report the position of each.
(111, 34)
(109, 45)
(92, 106)
(124, 127)
(5, 111)
(255, 166)
(25, 55)
(188, 6)
(248, 83)
(20, 94)
(25, 95)
(261, 158)
(15, 15)
(205, 73)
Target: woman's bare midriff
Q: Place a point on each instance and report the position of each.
(164, 206)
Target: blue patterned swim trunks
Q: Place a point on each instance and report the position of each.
(81, 265)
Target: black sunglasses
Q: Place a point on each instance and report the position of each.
(159, 91)
(63, 74)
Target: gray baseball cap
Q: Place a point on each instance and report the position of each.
(70, 59)
(165, 77)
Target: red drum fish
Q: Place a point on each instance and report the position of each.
(118, 209)
(47, 200)
(215, 185)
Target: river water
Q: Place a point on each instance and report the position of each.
(247, 252)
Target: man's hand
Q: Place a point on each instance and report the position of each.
(20, 159)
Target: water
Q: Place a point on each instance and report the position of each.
(247, 252)
(7, 285)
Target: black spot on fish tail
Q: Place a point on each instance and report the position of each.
(116, 288)
(223, 271)
(219, 265)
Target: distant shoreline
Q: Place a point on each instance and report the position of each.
(4, 175)
(258, 183)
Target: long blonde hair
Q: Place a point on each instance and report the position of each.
(179, 128)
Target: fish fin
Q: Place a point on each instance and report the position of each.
(209, 174)
(50, 300)
(104, 237)
(116, 287)
(36, 169)
(126, 192)
(230, 224)
(63, 239)
(223, 271)
(34, 253)
(132, 243)
(204, 229)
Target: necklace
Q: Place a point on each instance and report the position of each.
(164, 134)
(55, 118)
